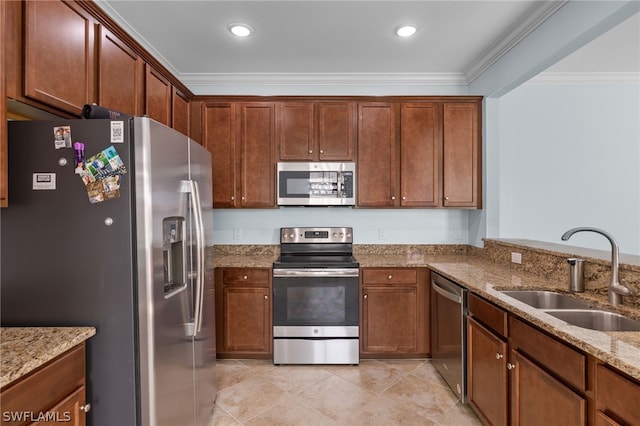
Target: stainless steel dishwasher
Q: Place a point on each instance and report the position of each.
(449, 333)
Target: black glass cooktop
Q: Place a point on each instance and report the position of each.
(315, 261)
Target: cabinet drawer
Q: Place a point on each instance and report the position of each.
(488, 314)
(389, 276)
(253, 276)
(617, 396)
(48, 386)
(563, 361)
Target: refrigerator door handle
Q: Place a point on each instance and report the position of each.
(200, 258)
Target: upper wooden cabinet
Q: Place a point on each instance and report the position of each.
(419, 154)
(180, 112)
(59, 54)
(316, 131)
(461, 160)
(377, 154)
(420, 132)
(241, 135)
(120, 75)
(157, 96)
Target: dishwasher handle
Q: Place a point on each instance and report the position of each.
(438, 287)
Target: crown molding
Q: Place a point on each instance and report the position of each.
(323, 79)
(538, 13)
(586, 79)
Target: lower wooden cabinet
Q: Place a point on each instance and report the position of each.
(394, 312)
(487, 373)
(538, 398)
(617, 398)
(53, 394)
(243, 313)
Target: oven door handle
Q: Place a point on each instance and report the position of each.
(444, 293)
(316, 272)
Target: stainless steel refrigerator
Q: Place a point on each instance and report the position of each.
(107, 225)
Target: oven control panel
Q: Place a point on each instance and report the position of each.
(316, 235)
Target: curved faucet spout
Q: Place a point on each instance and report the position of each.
(616, 288)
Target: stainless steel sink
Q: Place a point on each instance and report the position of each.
(547, 299)
(596, 320)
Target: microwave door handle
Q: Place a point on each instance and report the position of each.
(340, 184)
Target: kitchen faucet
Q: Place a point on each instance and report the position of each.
(617, 288)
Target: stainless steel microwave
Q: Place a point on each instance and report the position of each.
(316, 184)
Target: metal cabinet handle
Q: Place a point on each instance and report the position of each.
(266, 297)
(233, 198)
(393, 197)
(446, 198)
(510, 366)
(404, 198)
(86, 408)
(245, 277)
(390, 277)
(243, 198)
(322, 151)
(310, 151)
(499, 356)
(365, 296)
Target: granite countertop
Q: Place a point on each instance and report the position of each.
(486, 278)
(619, 349)
(23, 349)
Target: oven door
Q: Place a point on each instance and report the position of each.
(315, 298)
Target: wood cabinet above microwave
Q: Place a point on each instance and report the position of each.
(316, 131)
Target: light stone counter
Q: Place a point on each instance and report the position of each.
(23, 349)
(485, 272)
(619, 349)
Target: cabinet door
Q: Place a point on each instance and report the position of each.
(257, 157)
(219, 137)
(377, 156)
(295, 131)
(419, 152)
(336, 131)
(617, 396)
(390, 319)
(461, 160)
(157, 96)
(539, 399)
(247, 319)
(58, 54)
(70, 411)
(487, 369)
(120, 75)
(180, 112)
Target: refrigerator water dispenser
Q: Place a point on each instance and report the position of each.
(174, 254)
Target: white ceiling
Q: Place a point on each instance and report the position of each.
(317, 40)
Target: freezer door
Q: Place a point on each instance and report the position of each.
(166, 291)
(68, 262)
(205, 346)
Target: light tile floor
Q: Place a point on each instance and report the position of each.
(377, 392)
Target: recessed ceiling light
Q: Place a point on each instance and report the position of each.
(406, 30)
(240, 30)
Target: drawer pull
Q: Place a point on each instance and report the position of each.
(85, 408)
(245, 277)
(510, 366)
(499, 356)
(390, 277)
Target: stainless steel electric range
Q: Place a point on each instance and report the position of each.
(315, 298)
